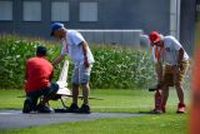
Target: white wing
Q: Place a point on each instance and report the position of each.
(62, 81)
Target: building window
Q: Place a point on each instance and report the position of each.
(6, 10)
(60, 11)
(88, 12)
(32, 11)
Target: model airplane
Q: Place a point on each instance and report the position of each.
(63, 91)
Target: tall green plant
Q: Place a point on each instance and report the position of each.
(115, 67)
(14, 52)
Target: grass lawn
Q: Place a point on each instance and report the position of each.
(129, 101)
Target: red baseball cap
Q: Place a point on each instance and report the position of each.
(154, 37)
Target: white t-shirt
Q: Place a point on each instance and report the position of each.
(71, 45)
(171, 51)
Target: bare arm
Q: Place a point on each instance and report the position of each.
(85, 48)
(180, 55)
(159, 72)
(180, 58)
(58, 60)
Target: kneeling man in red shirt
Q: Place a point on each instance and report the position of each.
(39, 73)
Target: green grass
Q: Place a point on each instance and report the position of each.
(129, 101)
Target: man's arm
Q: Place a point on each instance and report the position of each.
(180, 55)
(85, 49)
(58, 60)
(159, 72)
(180, 58)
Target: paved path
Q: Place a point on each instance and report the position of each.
(16, 119)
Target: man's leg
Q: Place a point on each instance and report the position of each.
(30, 102)
(27, 108)
(75, 91)
(86, 92)
(180, 93)
(84, 80)
(158, 102)
(179, 78)
(85, 108)
(165, 95)
(167, 82)
(48, 94)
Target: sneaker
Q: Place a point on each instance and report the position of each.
(44, 109)
(73, 108)
(85, 109)
(156, 111)
(61, 110)
(181, 108)
(27, 106)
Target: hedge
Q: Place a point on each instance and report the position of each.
(115, 67)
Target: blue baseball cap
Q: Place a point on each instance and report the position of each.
(55, 26)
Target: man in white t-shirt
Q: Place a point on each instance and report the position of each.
(75, 46)
(176, 62)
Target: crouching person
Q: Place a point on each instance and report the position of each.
(39, 72)
(176, 62)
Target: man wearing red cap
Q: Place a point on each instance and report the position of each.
(176, 61)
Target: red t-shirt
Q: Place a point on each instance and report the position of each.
(39, 72)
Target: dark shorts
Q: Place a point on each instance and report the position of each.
(46, 92)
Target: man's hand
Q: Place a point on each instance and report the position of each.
(25, 81)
